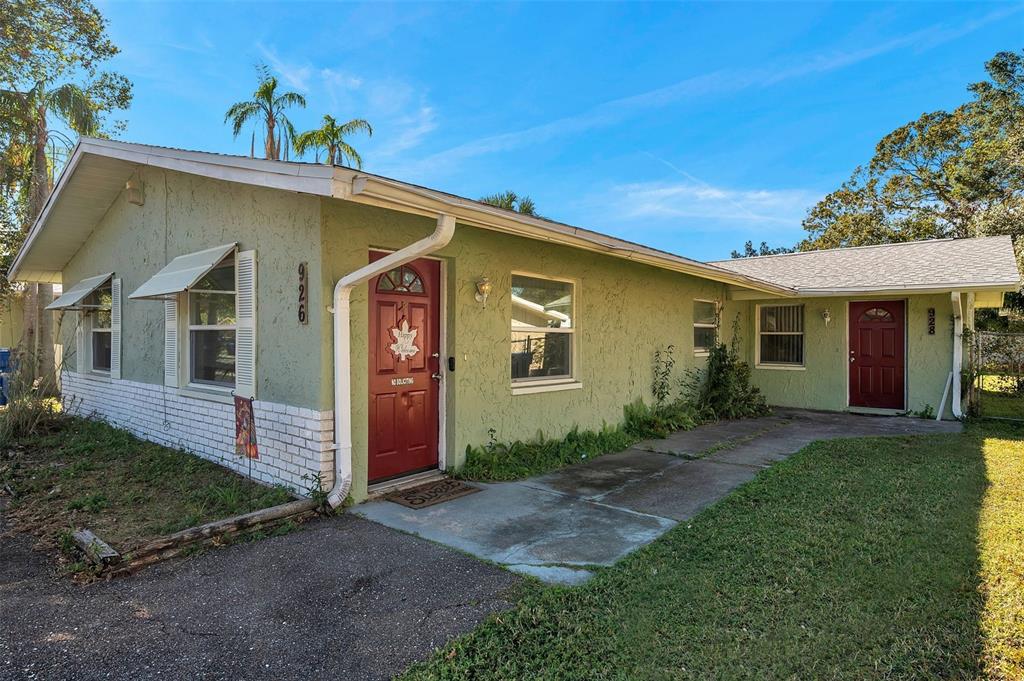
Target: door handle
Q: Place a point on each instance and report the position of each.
(437, 376)
(852, 359)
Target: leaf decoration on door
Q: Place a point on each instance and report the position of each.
(404, 346)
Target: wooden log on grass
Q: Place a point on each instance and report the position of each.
(222, 527)
(95, 549)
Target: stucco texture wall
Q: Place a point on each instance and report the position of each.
(823, 382)
(624, 311)
(183, 214)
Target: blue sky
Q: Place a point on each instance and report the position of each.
(689, 127)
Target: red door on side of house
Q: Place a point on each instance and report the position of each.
(877, 354)
(405, 337)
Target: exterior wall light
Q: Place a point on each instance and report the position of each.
(827, 316)
(483, 289)
(133, 188)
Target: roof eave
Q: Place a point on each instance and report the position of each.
(385, 193)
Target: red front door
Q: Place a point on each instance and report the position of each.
(405, 344)
(877, 353)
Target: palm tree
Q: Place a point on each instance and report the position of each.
(268, 107)
(29, 160)
(331, 137)
(511, 201)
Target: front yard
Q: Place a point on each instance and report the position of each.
(865, 558)
(85, 474)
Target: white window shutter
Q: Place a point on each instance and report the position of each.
(245, 318)
(171, 343)
(80, 363)
(115, 328)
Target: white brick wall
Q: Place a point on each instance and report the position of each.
(292, 441)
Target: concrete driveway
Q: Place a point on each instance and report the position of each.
(556, 526)
(342, 598)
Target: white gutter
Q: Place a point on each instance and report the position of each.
(343, 347)
(958, 355)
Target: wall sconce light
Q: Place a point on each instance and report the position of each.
(483, 289)
(133, 188)
(827, 316)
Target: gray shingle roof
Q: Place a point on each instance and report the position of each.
(936, 264)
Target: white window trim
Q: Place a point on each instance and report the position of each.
(542, 384)
(198, 388)
(779, 366)
(705, 352)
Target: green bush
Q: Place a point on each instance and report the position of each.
(644, 422)
(726, 390)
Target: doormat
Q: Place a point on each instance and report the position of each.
(431, 493)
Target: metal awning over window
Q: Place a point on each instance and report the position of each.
(182, 273)
(73, 297)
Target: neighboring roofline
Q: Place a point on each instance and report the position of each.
(359, 187)
(847, 292)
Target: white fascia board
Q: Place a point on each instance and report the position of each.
(37, 226)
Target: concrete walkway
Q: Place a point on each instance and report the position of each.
(557, 525)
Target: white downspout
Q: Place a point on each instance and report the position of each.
(956, 402)
(343, 346)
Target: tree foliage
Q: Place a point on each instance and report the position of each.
(511, 201)
(267, 108)
(764, 249)
(947, 174)
(331, 138)
(50, 52)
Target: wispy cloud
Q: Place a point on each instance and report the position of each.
(722, 81)
(699, 201)
(400, 112)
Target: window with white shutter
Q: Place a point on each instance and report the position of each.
(245, 332)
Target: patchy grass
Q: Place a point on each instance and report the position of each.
(1000, 397)
(868, 558)
(500, 461)
(517, 460)
(82, 473)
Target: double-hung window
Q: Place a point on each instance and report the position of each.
(98, 306)
(212, 326)
(705, 325)
(542, 329)
(780, 335)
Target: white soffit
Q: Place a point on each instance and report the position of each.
(182, 273)
(77, 293)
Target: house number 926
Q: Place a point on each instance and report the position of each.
(303, 290)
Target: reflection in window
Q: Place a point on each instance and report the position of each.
(705, 325)
(780, 330)
(402, 279)
(542, 328)
(876, 314)
(211, 326)
(98, 305)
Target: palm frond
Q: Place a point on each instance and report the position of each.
(72, 104)
(287, 99)
(356, 125)
(239, 114)
(345, 151)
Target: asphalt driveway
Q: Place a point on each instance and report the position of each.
(342, 598)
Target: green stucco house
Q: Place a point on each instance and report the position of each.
(381, 327)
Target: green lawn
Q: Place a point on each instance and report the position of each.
(856, 559)
(999, 397)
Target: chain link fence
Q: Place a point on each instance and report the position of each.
(997, 364)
